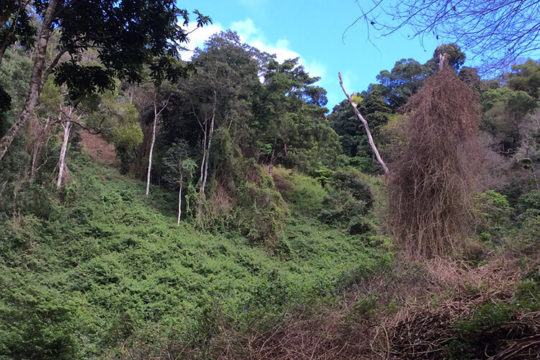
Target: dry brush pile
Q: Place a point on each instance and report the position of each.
(419, 311)
(439, 309)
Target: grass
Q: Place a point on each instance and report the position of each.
(106, 265)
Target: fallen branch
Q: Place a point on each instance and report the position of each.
(517, 347)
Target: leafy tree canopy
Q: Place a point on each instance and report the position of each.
(526, 77)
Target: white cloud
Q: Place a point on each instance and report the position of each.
(198, 36)
(253, 36)
(315, 68)
(249, 34)
(245, 29)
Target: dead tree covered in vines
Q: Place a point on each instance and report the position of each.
(434, 176)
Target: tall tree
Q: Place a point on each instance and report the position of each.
(126, 34)
(403, 81)
(289, 98)
(216, 96)
(526, 77)
(35, 80)
(159, 105)
(505, 111)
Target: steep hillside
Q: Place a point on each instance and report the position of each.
(104, 268)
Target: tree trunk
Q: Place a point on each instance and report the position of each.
(442, 61)
(35, 80)
(154, 126)
(3, 187)
(7, 41)
(180, 199)
(366, 126)
(210, 133)
(203, 161)
(63, 150)
(272, 157)
(36, 151)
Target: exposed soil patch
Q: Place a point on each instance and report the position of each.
(98, 149)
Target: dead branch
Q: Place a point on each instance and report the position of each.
(366, 126)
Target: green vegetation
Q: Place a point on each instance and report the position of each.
(104, 266)
(486, 330)
(265, 228)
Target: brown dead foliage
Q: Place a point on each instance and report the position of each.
(281, 184)
(221, 200)
(430, 298)
(448, 291)
(431, 182)
(97, 148)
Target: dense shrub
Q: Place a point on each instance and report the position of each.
(492, 215)
(262, 214)
(347, 202)
(303, 192)
(479, 334)
(528, 205)
(35, 323)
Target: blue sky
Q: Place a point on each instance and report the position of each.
(313, 30)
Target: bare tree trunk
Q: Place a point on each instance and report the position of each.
(204, 129)
(442, 61)
(154, 127)
(210, 133)
(272, 157)
(533, 171)
(203, 161)
(180, 199)
(36, 151)
(3, 187)
(366, 126)
(62, 163)
(35, 80)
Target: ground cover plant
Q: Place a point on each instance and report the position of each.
(104, 267)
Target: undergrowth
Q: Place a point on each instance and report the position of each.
(107, 273)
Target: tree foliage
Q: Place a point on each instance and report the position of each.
(403, 81)
(126, 35)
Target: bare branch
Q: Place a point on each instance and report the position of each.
(52, 65)
(494, 31)
(366, 126)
